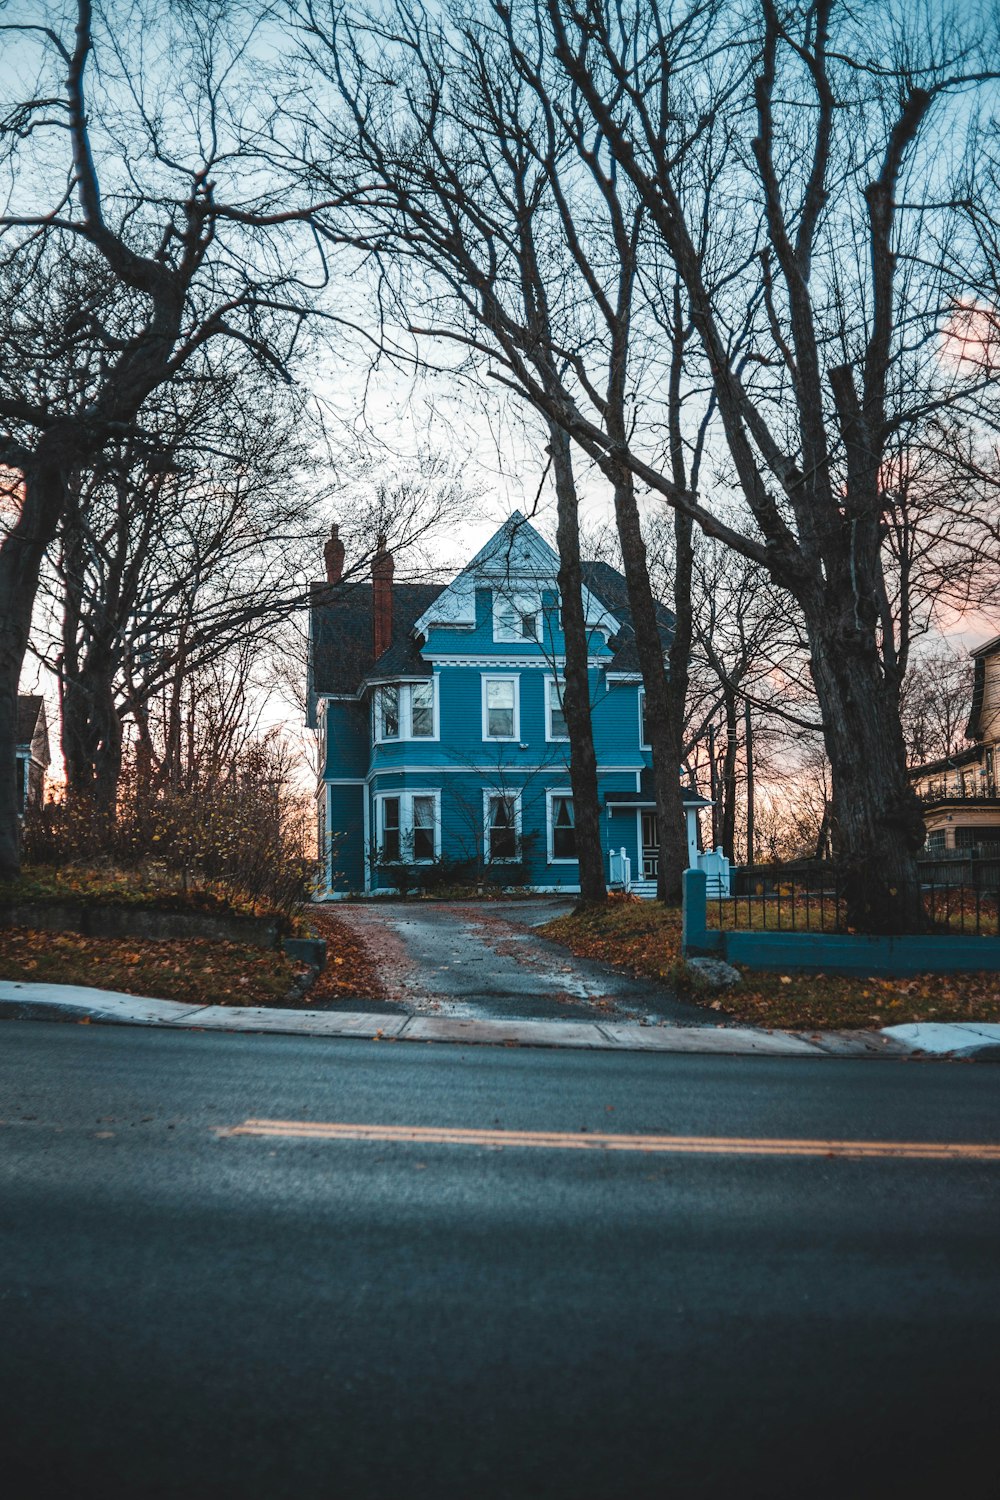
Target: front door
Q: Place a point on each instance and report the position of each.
(650, 847)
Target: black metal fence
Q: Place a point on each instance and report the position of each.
(961, 896)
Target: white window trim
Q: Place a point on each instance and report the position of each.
(404, 688)
(502, 739)
(406, 797)
(640, 699)
(550, 797)
(513, 795)
(554, 739)
(522, 604)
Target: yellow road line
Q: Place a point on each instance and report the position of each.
(558, 1140)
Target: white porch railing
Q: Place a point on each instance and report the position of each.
(621, 869)
(717, 868)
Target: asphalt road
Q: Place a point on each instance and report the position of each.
(487, 960)
(189, 1312)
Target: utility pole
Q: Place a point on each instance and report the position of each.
(748, 742)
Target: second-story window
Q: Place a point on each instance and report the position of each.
(387, 713)
(500, 708)
(405, 711)
(422, 710)
(555, 714)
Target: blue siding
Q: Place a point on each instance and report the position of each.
(460, 765)
(347, 841)
(348, 739)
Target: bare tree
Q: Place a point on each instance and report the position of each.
(936, 700)
(822, 246)
(138, 229)
(496, 232)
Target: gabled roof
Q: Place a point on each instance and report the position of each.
(341, 655)
(516, 555)
(31, 723)
(609, 586)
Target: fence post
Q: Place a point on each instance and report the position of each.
(695, 936)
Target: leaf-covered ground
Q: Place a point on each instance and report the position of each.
(198, 970)
(645, 940)
(351, 972)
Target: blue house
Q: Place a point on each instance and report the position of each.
(443, 745)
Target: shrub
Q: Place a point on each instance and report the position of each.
(245, 835)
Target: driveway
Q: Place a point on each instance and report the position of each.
(486, 959)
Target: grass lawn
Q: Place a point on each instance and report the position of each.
(645, 940)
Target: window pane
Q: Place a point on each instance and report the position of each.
(423, 828)
(390, 829)
(563, 829)
(500, 708)
(557, 717)
(505, 621)
(422, 709)
(529, 627)
(502, 828)
(642, 710)
(388, 698)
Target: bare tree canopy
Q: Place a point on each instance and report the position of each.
(140, 226)
(806, 177)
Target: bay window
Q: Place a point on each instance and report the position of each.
(407, 827)
(406, 711)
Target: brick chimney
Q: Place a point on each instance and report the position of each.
(333, 556)
(382, 571)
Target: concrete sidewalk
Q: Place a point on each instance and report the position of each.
(74, 1002)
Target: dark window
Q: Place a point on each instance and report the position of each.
(390, 830)
(563, 828)
(502, 828)
(968, 838)
(388, 700)
(644, 732)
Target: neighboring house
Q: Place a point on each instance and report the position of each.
(961, 793)
(441, 731)
(32, 750)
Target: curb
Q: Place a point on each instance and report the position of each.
(931, 1040)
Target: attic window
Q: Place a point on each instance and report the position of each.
(516, 617)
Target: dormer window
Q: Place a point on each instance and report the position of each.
(516, 618)
(406, 711)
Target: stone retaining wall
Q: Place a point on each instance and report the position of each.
(123, 921)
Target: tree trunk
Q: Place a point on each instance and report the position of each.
(20, 564)
(876, 815)
(662, 732)
(576, 687)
